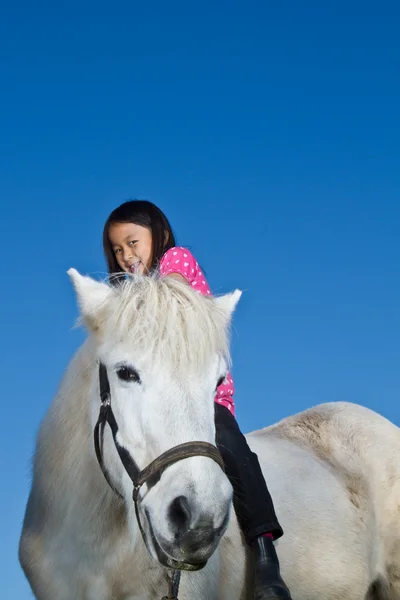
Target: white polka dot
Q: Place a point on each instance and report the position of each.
(192, 270)
(176, 262)
(174, 253)
(194, 282)
(185, 264)
(203, 282)
(200, 274)
(208, 292)
(185, 255)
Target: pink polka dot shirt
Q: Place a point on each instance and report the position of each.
(180, 260)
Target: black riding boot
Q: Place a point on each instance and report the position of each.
(268, 583)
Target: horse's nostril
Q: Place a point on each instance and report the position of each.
(179, 512)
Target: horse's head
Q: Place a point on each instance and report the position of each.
(165, 348)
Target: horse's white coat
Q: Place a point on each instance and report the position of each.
(332, 470)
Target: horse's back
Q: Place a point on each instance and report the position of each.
(362, 447)
(335, 483)
(358, 444)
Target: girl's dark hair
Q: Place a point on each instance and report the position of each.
(146, 214)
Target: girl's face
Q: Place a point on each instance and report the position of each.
(132, 246)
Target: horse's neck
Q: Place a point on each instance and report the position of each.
(67, 465)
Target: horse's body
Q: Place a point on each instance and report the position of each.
(332, 471)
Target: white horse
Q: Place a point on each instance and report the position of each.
(332, 470)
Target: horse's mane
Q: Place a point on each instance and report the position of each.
(167, 318)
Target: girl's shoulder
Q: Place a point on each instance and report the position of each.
(177, 254)
(180, 260)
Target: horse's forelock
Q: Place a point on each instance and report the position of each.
(167, 319)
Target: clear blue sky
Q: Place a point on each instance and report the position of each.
(268, 132)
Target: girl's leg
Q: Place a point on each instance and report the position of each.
(253, 504)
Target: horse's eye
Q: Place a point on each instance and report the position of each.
(220, 380)
(128, 374)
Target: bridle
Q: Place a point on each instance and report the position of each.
(153, 470)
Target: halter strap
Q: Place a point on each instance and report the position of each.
(157, 466)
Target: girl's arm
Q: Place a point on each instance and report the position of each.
(180, 263)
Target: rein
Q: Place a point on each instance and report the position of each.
(154, 469)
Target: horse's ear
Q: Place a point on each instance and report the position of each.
(228, 302)
(92, 297)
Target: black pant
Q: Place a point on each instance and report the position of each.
(252, 501)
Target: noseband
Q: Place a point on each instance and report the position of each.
(153, 470)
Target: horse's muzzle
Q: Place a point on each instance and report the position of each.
(190, 548)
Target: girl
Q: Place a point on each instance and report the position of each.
(138, 238)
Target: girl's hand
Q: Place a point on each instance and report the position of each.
(178, 276)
